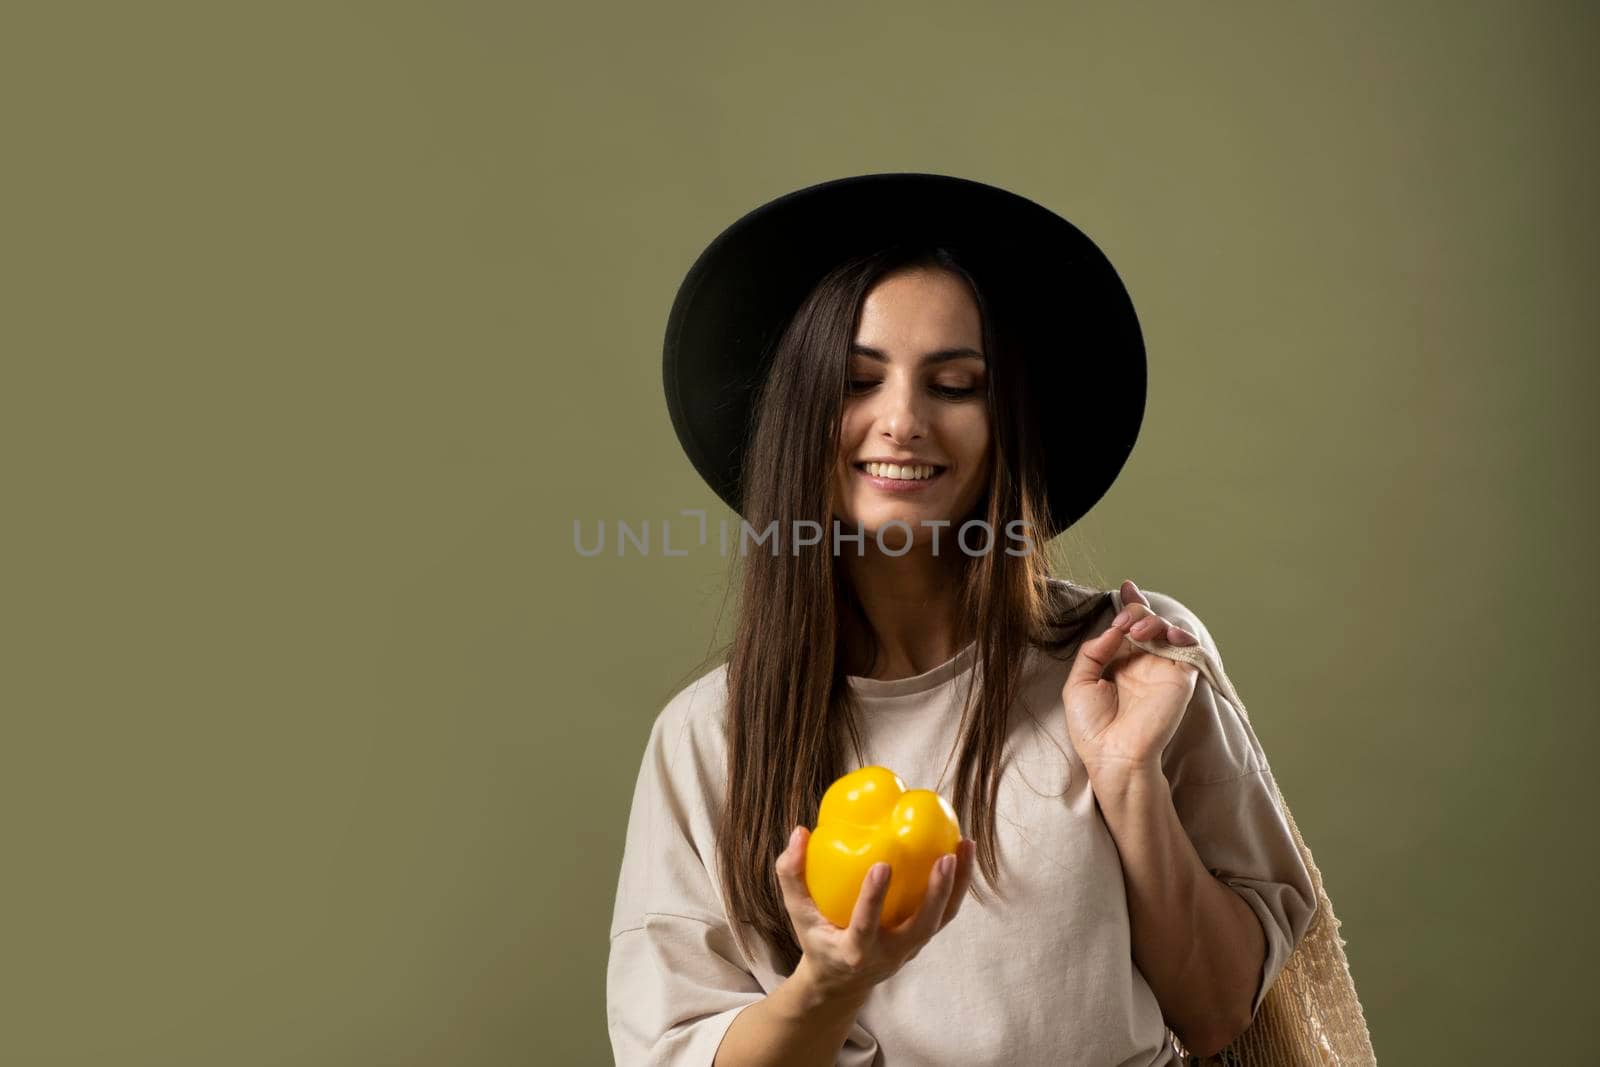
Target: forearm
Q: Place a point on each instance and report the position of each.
(795, 1025)
(1195, 940)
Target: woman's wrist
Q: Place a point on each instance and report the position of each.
(812, 993)
(1114, 778)
(802, 1021)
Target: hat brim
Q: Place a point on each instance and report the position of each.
(1063, 300)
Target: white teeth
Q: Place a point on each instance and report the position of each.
(890, 470)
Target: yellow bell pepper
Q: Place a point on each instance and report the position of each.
(869, 816)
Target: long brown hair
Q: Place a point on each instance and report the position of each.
(787, 697)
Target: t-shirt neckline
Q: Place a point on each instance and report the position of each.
(877, 688)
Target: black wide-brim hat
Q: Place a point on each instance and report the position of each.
(1067, 313)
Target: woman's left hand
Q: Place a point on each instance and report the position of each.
(1123, 703)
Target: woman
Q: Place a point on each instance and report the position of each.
(956, 377)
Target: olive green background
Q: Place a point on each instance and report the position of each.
(323, 323)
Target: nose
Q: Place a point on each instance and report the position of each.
(902, 417)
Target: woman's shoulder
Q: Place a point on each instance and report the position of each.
(1071, 607)
(1071, 595)
(1078, 612)
(693, 715)
(1072, 602)
(1173, 610)
(704, 694)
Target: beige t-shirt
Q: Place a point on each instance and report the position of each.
(1045, 977)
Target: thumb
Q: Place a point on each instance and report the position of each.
(1094, 656)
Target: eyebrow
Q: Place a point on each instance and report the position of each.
(942, 355)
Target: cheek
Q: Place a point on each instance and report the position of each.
(851, 427)
(971, 436)
(849, 442)
(974, 445)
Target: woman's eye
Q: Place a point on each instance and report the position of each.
(856, 386)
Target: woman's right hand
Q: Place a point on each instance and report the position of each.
(848, 962)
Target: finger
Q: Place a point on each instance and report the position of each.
(1141, 627)
(1155, 628)
(967, 853)
(1131, 614)
(791, 867)
(1150, 627)
(925, 923)
(868, 913)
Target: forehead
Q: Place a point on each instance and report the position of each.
(919, 305)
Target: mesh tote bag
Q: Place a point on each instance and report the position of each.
(1311, 1017)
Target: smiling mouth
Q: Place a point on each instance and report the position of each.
(919, 474)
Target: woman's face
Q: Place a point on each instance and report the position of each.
(916, 398)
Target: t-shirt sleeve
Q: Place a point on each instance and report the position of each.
(675, 977)
(672, 990)
(1227, 800)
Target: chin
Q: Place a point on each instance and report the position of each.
(913, 517)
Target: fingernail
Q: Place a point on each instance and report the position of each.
(946, 864)
(879, 873)
(1122, 619)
